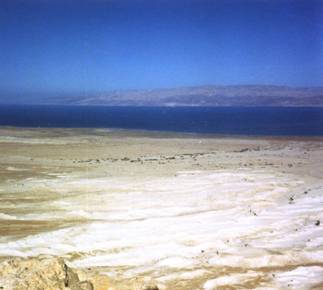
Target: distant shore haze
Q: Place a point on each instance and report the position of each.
(206, 96)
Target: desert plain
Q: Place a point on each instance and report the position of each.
(117, 209)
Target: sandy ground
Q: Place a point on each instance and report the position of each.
(188, 211)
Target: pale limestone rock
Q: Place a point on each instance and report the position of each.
(38, 274)
(49, 273)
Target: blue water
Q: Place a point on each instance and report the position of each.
(228, 120)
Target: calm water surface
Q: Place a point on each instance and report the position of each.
(298, 121)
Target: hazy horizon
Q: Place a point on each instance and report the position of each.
(84, 47)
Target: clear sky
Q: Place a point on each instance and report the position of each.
(92, 46)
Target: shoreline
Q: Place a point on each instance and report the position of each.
(169, 134)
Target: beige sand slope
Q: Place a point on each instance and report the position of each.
(185, 211)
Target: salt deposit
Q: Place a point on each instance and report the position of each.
(187, 213)
(190, 222)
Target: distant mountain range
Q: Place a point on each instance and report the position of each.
(217, 96)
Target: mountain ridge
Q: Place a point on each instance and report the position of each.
(208, 95)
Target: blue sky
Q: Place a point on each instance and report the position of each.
(93, 46)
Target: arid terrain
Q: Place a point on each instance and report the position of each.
(114, 209)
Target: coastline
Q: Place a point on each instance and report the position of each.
(160, 133)
(188, 212)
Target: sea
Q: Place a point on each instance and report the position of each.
(270, 121)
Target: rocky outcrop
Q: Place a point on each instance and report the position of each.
(46, 273)
(50, 273)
